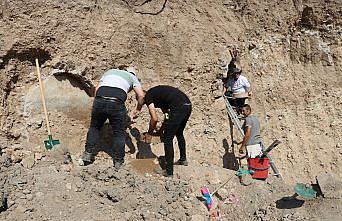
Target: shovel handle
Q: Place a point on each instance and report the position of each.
(43, 97)
(222, 185)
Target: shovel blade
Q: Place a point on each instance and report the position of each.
(50, 143)
(305, 191)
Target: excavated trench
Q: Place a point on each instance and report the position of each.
(69, 100)
(69, 106)
(62, 94)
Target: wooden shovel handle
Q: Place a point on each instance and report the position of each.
(43, 97)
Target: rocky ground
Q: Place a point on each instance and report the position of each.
(289, 50)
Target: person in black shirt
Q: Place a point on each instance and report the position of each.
(179, 107)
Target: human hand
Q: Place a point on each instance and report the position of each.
(242, 151)
(146, 137)
(159, 132)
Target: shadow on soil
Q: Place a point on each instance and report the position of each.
(290, 202)
(106, 143)
(229, 159)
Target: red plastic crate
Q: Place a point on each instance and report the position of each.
(259, 166)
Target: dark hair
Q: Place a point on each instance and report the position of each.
(236, 71)
(247, 106)
(122, 67)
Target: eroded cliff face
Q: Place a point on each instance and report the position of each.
(289, 50)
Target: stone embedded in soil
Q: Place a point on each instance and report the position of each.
(223, 193)
(29, 197)
(28, 161)
(15, 158)
(5, 160)
(16, 134)
(197, 218)
(330, 185)
(68, 186)
(38, 156)
(26, 191)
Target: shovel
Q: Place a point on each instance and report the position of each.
(50, 143)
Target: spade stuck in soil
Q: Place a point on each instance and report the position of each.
(50, 142)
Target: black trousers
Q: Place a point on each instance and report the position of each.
(236, 102)
(175, 127)
(115, 111)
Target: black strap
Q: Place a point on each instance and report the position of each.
(259, 169)
(114, 99)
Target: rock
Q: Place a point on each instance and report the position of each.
(26, 191)
(187, 205)
(146, 215)
(5, 160)
(29, 197)
(67, 158)
(37, 149)
(330, 185)
(38, 156)
(66, 168)
(68, 186)
(197, 218)
(114, 195)
(9, 152)
(21, 209)
(223, 193)
(16, 158)
(339, 146)
(28, 162)
(17, 147)
(16, 134)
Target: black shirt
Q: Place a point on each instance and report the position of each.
(166, 97)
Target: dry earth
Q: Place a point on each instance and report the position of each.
(289, 50)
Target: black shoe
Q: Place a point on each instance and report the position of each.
(165, 174)
(182, 162)
(87, 158)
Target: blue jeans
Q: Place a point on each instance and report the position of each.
(175, 127)
(116, 112)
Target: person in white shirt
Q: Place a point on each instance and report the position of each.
(237, 88)
(109, 103)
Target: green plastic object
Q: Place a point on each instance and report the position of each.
(305, 191)
(50, 143)
(241, 172)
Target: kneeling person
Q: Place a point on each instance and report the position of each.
(179, 106)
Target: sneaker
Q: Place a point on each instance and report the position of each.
(182, 162)
(87, 158)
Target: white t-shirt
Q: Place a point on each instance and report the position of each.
(238, 86)
(119, 79)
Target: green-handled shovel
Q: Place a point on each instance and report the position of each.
(50, 142)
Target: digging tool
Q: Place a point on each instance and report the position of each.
(268, 149)
(50, 143)
(265, 153)
(222, 185)
(305, 190)
(238, 173)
